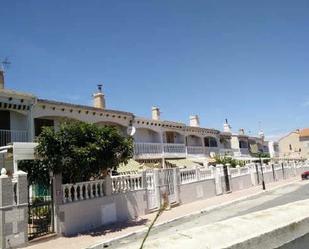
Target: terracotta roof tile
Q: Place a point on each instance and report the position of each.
(304, 132)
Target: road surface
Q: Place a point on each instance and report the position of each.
(286, 194)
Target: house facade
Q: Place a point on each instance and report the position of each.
(295, 145)
(22, 117)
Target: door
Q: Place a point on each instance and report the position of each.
(5, 126)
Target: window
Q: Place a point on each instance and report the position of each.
(210, 142)
(243, 144)
(40, 123)
(4, 120)
(290, 146)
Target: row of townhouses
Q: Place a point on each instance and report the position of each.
(22, 117)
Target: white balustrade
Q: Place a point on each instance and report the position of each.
(206, 174)
(147, 148)
(82, 191)
(9, 136)
(188, 175)
(244, 171)
(195, 150)
(234, 172)
(174, 148)
(122, 184)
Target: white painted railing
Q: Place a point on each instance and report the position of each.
(206, 174)
(195, 150)
(174, 148)
(234, 172)
(9, 136)
(244, 170)
(122, 184)
(147, 148)
(188, 175)
(82, 191)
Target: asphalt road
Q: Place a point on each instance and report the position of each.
(290, 193)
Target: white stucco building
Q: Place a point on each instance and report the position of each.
(22, 117)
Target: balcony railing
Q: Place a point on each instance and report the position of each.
(10, 136)
(150, 150)
(174, 149)
(195, 150)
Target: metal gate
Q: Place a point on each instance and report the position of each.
(40, 221)
(167, 178)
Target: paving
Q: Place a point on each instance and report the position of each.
(219, 208)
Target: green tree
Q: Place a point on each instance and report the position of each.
(79, 151)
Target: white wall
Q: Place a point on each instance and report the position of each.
(18, 121)
(146, 136)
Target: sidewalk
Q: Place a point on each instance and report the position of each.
(119, 230)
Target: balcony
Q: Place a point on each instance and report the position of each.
(169, 150)
(174, 150)
(196, 150)
(10, 136)
(157, 150)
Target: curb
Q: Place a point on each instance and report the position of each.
(107, 243)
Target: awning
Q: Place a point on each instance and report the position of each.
(131, 166)
(183, 163)
(134, 166)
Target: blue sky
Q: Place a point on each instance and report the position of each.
(247, 61)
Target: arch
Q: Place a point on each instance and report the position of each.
(173, 137)
(145, 135)
(210, 141)
(193, 140)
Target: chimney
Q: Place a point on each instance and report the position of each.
(98, 98)
(261, 134)
(194, 121)
(227, 127)
(241, 131)
(1, 79)
(155, 113)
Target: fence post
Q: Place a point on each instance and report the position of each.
(283, 173)
(252, 171)
(197, 173)
(13, 210)
(144, 179)
(176, 179)
(156, 182)
(108, 187)
(274, 174)
(218, 180)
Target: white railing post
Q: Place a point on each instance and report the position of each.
(217, 171)
(156, 182)
(176, 175)
(197, 173)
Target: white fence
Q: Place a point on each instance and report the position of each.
(82, 191)
(122, 184)
(153, 180)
